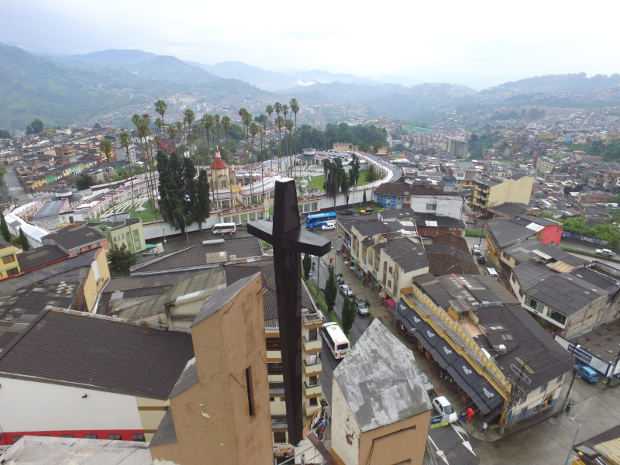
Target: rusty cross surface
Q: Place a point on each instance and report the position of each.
(289, 240)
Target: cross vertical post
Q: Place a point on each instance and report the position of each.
(289, 240)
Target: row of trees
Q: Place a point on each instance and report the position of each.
(183, 199)
(349, 309)
(339, 181)
(367, 138)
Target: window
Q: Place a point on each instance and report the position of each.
(8, 259)
(250, 390)
(273, 343)
(559, 317)
(313, 401)
(533, 303)
(12, 272)
(313, 334)
(90, 436)
(313, 380)
(275, 368)
(389, 284)
(432, 206)
(115, 437)
(138, 437)
(279, 437)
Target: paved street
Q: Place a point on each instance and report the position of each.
(596, 408)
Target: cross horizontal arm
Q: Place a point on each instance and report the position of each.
(298, 240)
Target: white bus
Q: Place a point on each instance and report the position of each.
(335, 339)
(224, 228)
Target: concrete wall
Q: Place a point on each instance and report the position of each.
(511, 190)
(212, 418)
(37, 406)
(98, 277)
(12, 267)
(402, 442)
(345, 430)
(451, 206)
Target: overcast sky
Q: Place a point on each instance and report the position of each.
(473, 42)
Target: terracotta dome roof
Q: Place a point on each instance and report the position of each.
(218, 163)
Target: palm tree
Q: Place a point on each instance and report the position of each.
(124, 141)
(279, 125)
(269, 110)
(207, 122)
(226, 126)
(142, 124)
(172, 131)
(188, 120)
(159, 124)
(289, 127)
(218, 126)
(295, 109)
(160, 108)
(253, 130)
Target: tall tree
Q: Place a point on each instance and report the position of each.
(23, 241)
(345, 184)
(4, 229)
(120, 259)
(125, 141)
(330, 290)
(160, 109)
(348, 315)
(142, 124)
(226, 123)
(294, 104)
(188, 119)
(35, 127)
(105, 146)
(307, 264)
(202, 203)
(208, 122)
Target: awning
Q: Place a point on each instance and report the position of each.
(473, 384)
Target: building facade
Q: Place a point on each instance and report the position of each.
(9, 265)
(490, 192)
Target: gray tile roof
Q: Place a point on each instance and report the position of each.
(74, 236)
(99, 352)
(188, 378)
(524, 251)
(565, 292)
(42, 450)
(40, 257)
(526, 343)
(406, 253)
(506, 233)
(380, 380)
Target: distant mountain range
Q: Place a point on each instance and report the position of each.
(110, 85)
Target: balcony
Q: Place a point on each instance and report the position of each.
(273, 356)
(312, 390)
(313, 368)
(312, 345)
(312, 318)
(311, 410)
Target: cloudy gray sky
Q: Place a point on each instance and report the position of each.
(474, 42)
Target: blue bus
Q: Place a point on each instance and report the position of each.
(316, 220)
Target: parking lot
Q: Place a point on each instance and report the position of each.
(596, 408)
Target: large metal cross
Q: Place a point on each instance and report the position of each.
(289, 240)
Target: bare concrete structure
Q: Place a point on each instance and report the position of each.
(219, 407)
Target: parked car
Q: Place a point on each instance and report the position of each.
(482, 260)
(605, 252)
(443, 407)
(475, 250)
(329, 226)
(339, 279)
(588, 374)
(363, 308)
(345, 290)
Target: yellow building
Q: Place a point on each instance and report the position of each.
(491, 192)
(9, 265)
(128, 234)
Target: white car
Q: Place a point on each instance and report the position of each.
(329, 226)
(476, 250)
(346, 290)
(444, 408)
(605, 252)
(362, 308)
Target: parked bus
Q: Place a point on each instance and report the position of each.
(335, 339)
(224, 228)
(316, 220)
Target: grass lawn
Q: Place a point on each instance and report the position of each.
(148, 214)
(316, 183)
(363, 179)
